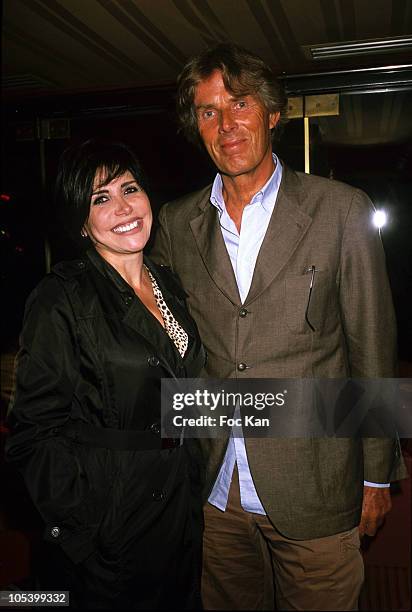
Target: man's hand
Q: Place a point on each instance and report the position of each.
(376, 503)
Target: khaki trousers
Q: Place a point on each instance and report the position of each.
(246, 561)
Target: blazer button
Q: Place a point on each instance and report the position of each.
(158, 495)
(241, 367)
(243, 312)
(153, 361)
(81, 264)
(128, 300)
(55, 532)
(155, 428)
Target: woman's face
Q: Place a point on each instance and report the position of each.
(120, 217)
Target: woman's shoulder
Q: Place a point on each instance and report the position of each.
(66, 270)
(52, 291)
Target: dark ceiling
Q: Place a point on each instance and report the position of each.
(60, 46)
(63, 48)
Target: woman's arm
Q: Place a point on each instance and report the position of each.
(47, 371)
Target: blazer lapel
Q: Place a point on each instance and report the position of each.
(288, 225)
(208, 236)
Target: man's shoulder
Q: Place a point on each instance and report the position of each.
(314, 183)
(317, 194)
(189, 202)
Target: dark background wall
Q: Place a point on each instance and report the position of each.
(174, 167)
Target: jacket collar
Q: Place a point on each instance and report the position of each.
(169, 287)
(136, 315)
(287, 226)
(108, 271)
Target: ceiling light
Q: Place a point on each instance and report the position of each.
(380, 218)
(360, 47)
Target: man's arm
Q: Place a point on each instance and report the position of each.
(370, 332)
(365, 296)
(376, 503)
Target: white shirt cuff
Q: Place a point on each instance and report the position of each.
(377, 485)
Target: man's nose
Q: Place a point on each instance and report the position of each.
(226, 120)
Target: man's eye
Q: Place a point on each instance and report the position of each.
(209, 114)
(240, 104)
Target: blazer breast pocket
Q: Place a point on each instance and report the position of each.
(308, 308)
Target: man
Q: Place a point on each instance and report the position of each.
(248, 250)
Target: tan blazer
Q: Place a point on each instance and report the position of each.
(308, 487)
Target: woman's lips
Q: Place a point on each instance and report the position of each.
(131, 226)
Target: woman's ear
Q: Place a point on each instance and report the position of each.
(83, 232)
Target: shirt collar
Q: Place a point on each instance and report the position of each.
(266, 196)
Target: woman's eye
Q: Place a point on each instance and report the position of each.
(132, 189)
(209, 114)
(240, 104)
(99, 200)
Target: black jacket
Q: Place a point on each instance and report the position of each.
(92, 356)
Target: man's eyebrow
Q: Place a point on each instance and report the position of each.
(232, 98)
(205, 106)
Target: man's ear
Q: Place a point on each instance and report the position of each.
(273, 120)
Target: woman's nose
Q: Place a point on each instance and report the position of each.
(122, 206)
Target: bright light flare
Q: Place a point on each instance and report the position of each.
(380, 218)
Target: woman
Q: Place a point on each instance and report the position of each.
(120, 505)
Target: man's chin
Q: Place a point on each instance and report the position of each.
(234, 171)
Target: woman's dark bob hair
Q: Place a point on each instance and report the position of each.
(243, 73)
(76, 173)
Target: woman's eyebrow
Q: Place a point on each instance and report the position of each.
(98, 191)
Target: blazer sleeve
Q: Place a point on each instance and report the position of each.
(161, 252)
(46, 373)
(369, 322)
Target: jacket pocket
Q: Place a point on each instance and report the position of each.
(306, 308)
(77, 532)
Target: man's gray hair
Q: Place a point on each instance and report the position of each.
(243, 73)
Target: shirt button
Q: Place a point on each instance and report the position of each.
(128, 300)
(153, 361)
(243, 312)
(241, 367)
(55, 532)
(81, 264)
(158, 495)
(155, 428)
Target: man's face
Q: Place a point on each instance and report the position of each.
(235, 130)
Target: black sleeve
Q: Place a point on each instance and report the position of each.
(52, 466)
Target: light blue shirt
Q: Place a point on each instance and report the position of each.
(243, 250)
